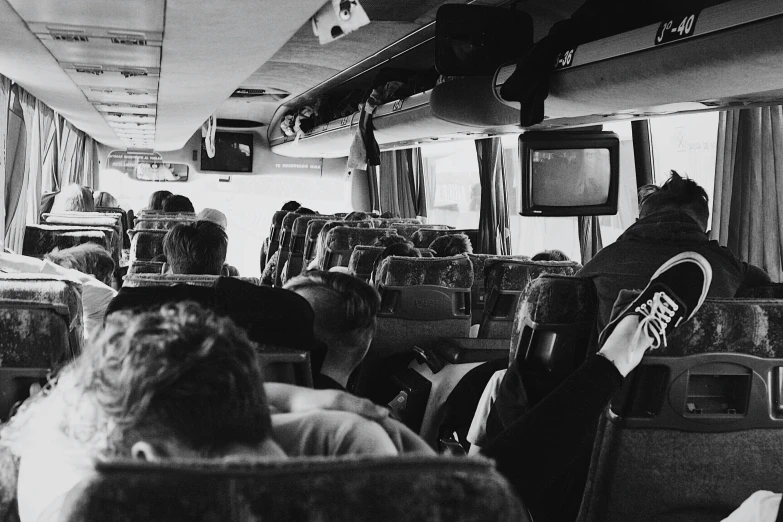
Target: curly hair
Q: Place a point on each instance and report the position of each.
(451, 245)
(74, 198)
(676, 193)
(178, 371)
(87, 258)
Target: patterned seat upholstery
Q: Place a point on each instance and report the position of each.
(424, 237)
(407, 230)
(146, 244)
(164, 221)
(146, 213)
(702, 409)
(505, 281)
(40, 330)
(274, 235)
(145, 267)
(770, 291)
(478, 292)
(142, 279)
(363, 260)
(312, 235)
(286, 244)
(388, 222)
(413, 488)
(339, 243)
(297, 248)
(93, 219)
(125, 219)
(39, 240)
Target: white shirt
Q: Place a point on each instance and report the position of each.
(761, 506)
(478, 427)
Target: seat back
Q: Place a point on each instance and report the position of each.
(422, 299)
(424, 237)
(505, 282)
(297, 245)
(40, 330)
(320, 243)
(142, 279)
(98, 220)
(39, 240)
(286, 243)
(770, 291)
(387, 222)
(125, 220)
(363, 260)
(478, 292)
(407, 230)
(340, 242)
(702, 416)
(164, 220)
(146, 244)
(145, 267)
(274, 235)
(312, 234)
(405, 488)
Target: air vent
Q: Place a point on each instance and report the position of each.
(128, 39)
(116, 114)
(132, 73)
(69, 37)
(248, 93)
(88, 69)
(131, 92)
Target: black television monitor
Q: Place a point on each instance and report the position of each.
(233, 153)
(569, 173)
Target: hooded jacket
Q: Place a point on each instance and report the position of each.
(630, 262)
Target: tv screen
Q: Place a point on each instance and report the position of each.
(569, 173)
(233, 153)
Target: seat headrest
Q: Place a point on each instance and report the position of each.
(314, 227)
(449, 272)
(415, 488)
(407, 230)
(303, 221)
(515, 275)
(148, 279)
(424, 237)
(82, 218)
(480, 261)
(145, 267)
(751, 326)
(363, 259)
(347, 238)
(42, 239)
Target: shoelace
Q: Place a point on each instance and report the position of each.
(656, 313)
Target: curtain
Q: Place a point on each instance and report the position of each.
(589, 237)
(747, 203)
(402, 186)
(71, 155)
(5, 96)
(50, 180)
(16, 177)
(494, 235)
(39, 119)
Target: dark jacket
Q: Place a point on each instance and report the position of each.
(630, 262)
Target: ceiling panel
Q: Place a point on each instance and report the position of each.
(138, 15)
(103, 52)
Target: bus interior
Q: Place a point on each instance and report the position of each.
(398, 110)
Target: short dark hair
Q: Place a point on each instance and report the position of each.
(387, 241)
(157, 198)
(550, 255)
(178, 368)
(348, 304)
(676, 193)
(357, 216)
(87, 258)
(291, 206)
(177, 203)
(305, 211)
(196, 248)
(451, 245)
(398, 249)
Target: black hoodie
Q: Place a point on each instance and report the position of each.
(630, 262)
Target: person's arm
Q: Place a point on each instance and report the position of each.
(761, 506)
(287, 398)
(20, 263)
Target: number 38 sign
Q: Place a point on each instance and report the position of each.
(671, 30)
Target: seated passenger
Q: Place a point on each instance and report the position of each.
(387, 241)
(550, 255)
(356, 216)
(451, 245)
(405, 249)
(74, 198)
(268, 274)
(176, 382)
(87, 258)
(213, 215)
(673, 218)
(345, 308)
(157, 198)
(196, 248)
(177, 203)
(96, 295)
(105, 200)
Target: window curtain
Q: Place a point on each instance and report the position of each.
(589, 237)
(402, 185)
(16, 178)
(41, 155)
(5, 97)
(77, 156)
(747, 204)
(494, 234)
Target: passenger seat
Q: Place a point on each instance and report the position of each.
(424, 237)
(39, 240)
(146, 244)
(478, 292)
(339, 243)
(363, 260)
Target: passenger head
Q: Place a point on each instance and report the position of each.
(357, 216)
(215, 216)
(387, 241)
(157, 198)
(451, 245)
(176, 382)
(397, 249)
(177, 203)
(74, 198)
(87, 258)
(345, 315)
(196, 248)
(291, 206)
(550, 255)
(105, 200)
(305, 211)
(677, 193)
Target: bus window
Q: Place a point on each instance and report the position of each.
(686, 143)
(452, 180)
(627, 202)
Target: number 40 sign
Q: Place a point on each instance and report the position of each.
(671, 30)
